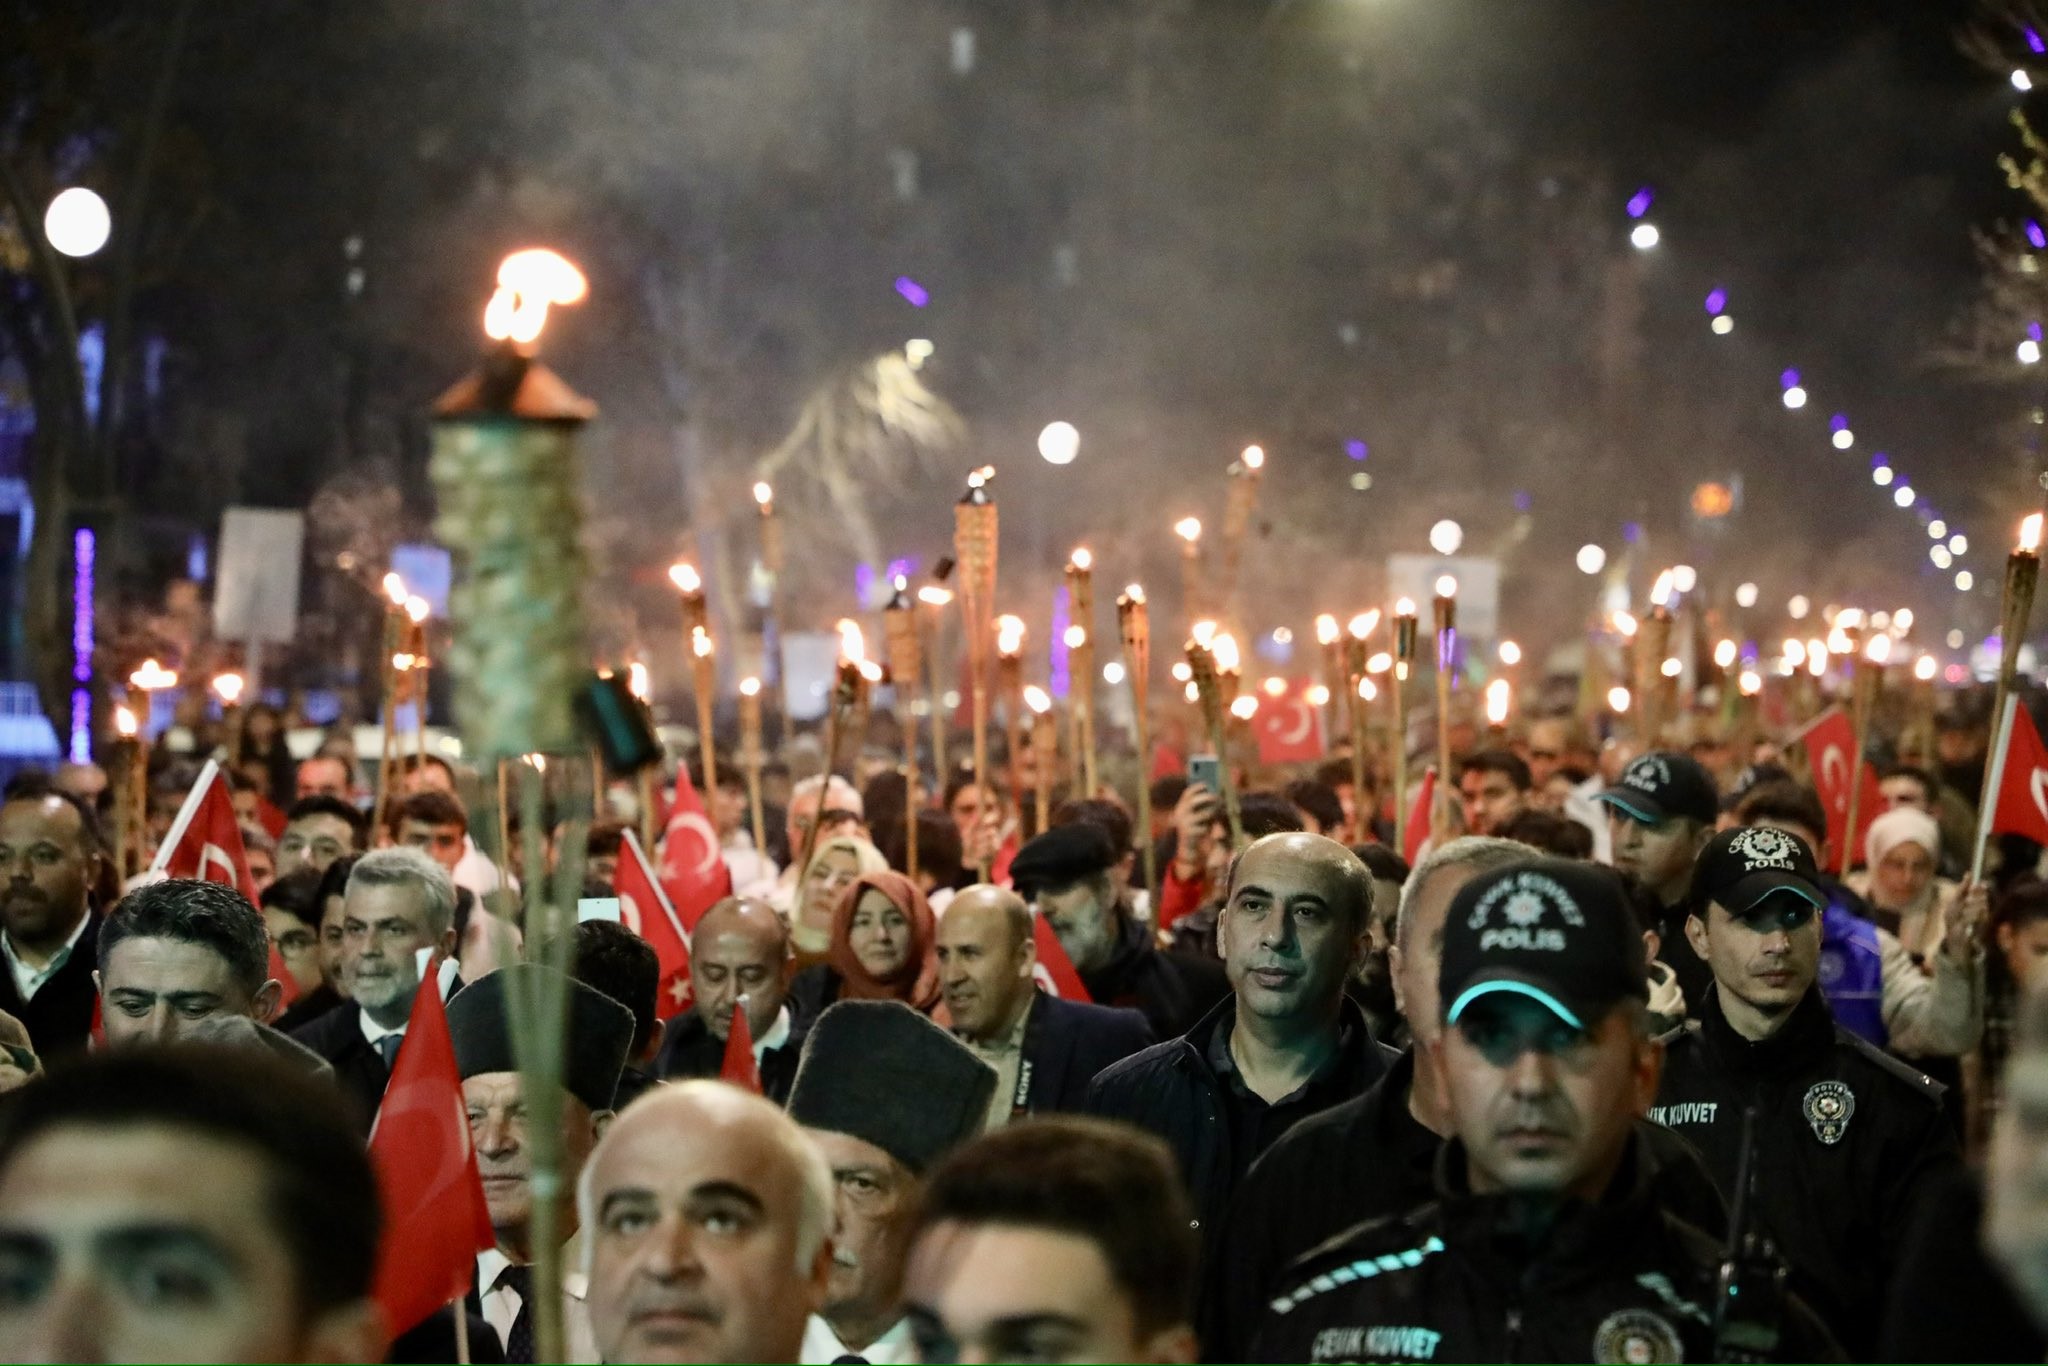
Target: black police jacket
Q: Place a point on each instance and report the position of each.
(1458, 1279)
(1849, 1139)
(1370, 1158)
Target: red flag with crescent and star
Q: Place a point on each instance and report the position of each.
(435, 1217)
(1831, 757)
(645, 909)
(1289, 726)
(693, 870)
(2021, 804)
(205, 842)
(738, 1066)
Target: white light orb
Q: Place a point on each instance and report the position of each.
(2029, 352)
(1795, 397)
(1643, 236)
(1745, 595)
(1113, 673)
(2021, 81)
(1959, 544)
(1937, 529)
(1844, 439)
(1942, 559)
(1881, 475)
(1723, 325)
(1685, 578)
(1965, 581)
(77, 222)
(1798, 607)
(1903, 495)
(1059, 443)
(1592, 559)
(1955, 640)
(1446, 536)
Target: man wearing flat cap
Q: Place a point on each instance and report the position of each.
(493, 1094)
(884, 1093)
(1547, 1239)
(1069, 874)
(1849, 1140)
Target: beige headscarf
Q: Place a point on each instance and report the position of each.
(810, 927)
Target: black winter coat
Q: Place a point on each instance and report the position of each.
(1172, 1090)
(690, 1049)
(358, 1068)
(1849, 1139)
(1366, 1159)
(59, 1016)
(1171, 990)
(1066, 1043)
(1457, 1280)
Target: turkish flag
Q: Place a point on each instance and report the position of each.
(1418, 817)
(2020, 805)
(693, 871)
(1289, 727)
(738, 1065)
(647, 912)
(435, 1217)
(205, 842)
(1055, 971)
(1831, 756)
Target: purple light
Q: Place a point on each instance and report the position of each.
(2036, 235)
(1631, 532)
(1639, 202)
(2034, 331)
(84, 551)
(1879, 459)
(1357, 450)
(863, 583)
(2034, 42)
(81, 726)
(912, 291)
(1523, 500)
(1058, 677)
(1717, 300)
(1789, 380)
(1838, 423)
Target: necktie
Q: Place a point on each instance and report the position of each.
(388, 1047)
(519, 1339)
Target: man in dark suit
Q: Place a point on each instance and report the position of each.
(49, 860)
(740, 951)
(398, 902)
(1044, 1050)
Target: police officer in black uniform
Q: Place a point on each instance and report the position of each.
(1546, 1242)
(1849, 1139)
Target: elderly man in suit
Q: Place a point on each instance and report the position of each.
(1044, 1050)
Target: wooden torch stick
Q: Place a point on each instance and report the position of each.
(750, 756)
(975, 531)
(2022, 574)
(900, 638)
(1446, 605)
(1134, 624)
(1405, 632)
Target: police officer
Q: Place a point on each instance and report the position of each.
(1546, 1242)
(1848, 1138)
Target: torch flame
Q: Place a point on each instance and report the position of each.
(1724, 654)
(228, 687)
(1081, 559)
(1497, 694)
(1660, 592)
(402, 661)
(2030, 534)
(1902, 621)
(1510, 653)
(1182, 671)
(933, 596)
(853, 647)
(1795, 651)
(395, 589)
(701, 645)
(1446, 586)
(1203, 633)
(1135, 592)
(1076, 637)
(1225, 650)
(683, 575)
(637, 680)
(1367, 690)
(418, 609)
(750, 687)
(1404, 607)
(870, 670)
(1318, 695)
(1838, 642)
(124, 722)
(1879, 649)
(1189, 529)
(1254, 458)
(1009, 634)
(152, 676)
(765, 496)
(1751, 682)
(1326, 629)
(1193, 692)
(1245, 707)
(1617, 700)
(1364, 624)
(1379, 663)
(1035, 698)
(529, 283)
(1816, 660)
(1274, 687)
(1673, 667)
(1923, 668)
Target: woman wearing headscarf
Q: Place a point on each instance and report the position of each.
(1901, 851)
(834, 867)
(884, 939)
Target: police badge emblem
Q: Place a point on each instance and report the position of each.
(1829, 1105)
(1635, 1337)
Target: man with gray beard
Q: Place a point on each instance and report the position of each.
(398, 902)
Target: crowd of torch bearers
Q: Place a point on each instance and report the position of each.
(504, 463)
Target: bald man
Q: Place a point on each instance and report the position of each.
(740, 951)
(706, 1216)
(1285, 1044)
(1044, 1050)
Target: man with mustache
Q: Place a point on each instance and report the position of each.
(49, 859)
(707, 1221)
(1045, 1051)
(740, 951)
(1849, 1139)
(494, 1099)
(883, 1093)
(1285, 1044)
(398, 902)
(1546, 1241)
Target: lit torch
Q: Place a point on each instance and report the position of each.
(1237, 514)
(1360, 631)
(1446, 605)
(1189, 529)
(228, 688)
(701, 652)
(2022, 573)
(1045, 747)
(1405, 632)
(1134, 625)
(1206, 681)
(975, 531)
(751, 755)
(900, 637)
(1081, 661)
(1010, 691)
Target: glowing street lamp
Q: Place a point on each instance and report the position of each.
(77, 223)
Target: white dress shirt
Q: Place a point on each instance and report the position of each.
(501, 1305)
(775, 1036)
(28, 979)
(822, 1346)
